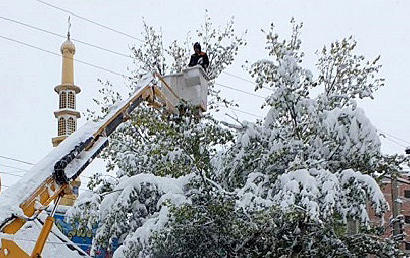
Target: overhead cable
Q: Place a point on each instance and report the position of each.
(245, 80)
(240, 111)
(395, 137)
(7, 166)
(53, 53)
(235, 89)
(90, 21)
(62, 36)
(18, 160)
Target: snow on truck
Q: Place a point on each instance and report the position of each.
(50, 179)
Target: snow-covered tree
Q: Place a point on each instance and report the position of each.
(221, 45)
(284, 187)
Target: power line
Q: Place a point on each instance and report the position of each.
(240, 111)
(14, 171)
(7, 166)
(62, 36)
(53, 53)
(18, 160)
(395, 137)
(90, 21)
(251, 94)
(393, 141)
(245, 80)
(8, 173)
(238, 77)
(25, 170)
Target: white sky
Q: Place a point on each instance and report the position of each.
(28, 76)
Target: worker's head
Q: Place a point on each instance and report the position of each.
(197, 48)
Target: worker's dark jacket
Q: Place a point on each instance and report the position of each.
(199, 59)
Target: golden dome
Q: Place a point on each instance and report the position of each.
(67, 45)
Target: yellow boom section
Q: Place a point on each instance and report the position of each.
(49, 189)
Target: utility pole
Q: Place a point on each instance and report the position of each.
(396, 210)
(395, 205)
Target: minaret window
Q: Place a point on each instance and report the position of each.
(70, 126)
(71, 100)
(62, 125)
(63, 99)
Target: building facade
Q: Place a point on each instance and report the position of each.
(403, 205)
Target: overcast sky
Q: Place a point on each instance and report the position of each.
(28, 76)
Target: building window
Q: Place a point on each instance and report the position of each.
(62, 125)
(407, 245)
(71, 100)
(63, 99)
(407, 193)
(70, 126)
(407, 219)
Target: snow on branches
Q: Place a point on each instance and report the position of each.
(284, 186)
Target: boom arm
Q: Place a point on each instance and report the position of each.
(65, 163)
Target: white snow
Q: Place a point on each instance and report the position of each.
(11, 198)
(54, 247)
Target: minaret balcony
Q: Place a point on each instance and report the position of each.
(57, 140)
(67, 86)
(66, 111)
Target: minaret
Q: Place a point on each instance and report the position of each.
(67, 114)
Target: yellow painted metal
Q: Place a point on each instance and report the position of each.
(145, 93)
(166, 85)
(42, 195)
(9, 249)
(42, 238)
(168, 104)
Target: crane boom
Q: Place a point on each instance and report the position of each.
(51, 178)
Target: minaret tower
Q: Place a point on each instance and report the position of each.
(67, 114)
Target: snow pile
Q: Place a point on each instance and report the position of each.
(57, 244)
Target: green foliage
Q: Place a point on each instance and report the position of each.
(167, 146)
(346, 75)
(282, 188)
(221, 45)
(212, 227)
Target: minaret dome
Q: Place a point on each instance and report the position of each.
(67, 45)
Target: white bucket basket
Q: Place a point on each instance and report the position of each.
(191, 85)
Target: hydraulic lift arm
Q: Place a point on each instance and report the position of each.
(69, 167)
